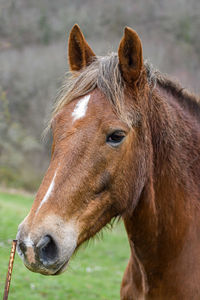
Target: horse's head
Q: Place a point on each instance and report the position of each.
(97, 169)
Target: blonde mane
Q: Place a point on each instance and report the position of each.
(103, 73)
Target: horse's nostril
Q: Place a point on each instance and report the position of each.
(47, 249)
(22, 246)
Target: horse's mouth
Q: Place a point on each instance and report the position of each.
(38, 268)
(47, 272)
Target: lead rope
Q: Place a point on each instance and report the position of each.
(10, 268)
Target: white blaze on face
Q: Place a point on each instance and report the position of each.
(48, 193)
(81, 108)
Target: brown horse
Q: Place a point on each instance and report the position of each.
(126, 142)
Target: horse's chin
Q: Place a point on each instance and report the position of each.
(62, 269)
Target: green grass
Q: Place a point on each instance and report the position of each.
(95, 272)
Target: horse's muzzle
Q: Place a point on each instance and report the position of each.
(46, 246)
(40, 257)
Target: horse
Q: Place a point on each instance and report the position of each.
(126, 143)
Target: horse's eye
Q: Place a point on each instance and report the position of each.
(115, 138)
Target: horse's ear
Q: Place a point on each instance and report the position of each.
(79, 52)
(130, 55)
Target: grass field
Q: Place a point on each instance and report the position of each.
(94, 273)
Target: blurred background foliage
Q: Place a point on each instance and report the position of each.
(33, 61)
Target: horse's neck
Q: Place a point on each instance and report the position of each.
(164, 225)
